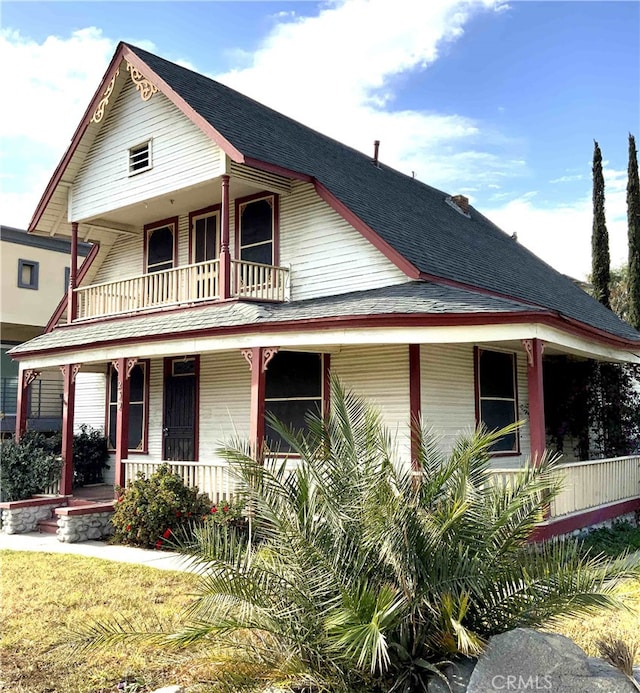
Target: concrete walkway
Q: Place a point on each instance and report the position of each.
(48, 543)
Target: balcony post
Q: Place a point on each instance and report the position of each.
(72, 297)
(225, 257)
(534, 349)
(25, 378)
(69, 372)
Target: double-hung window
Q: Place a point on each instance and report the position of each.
(496, 401)
(138, 406)
(205, 235)
(293, 390)
(257, 232)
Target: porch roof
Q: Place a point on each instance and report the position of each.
(409, 299)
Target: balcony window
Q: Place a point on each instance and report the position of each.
(205, 235)
(257, 222)
(161, 245)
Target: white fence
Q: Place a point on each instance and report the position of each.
(590, 484)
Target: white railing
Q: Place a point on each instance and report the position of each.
(188, 284)
(254, 280)
(590, 484)
(212, 478)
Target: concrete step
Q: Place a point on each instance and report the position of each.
(48, 526)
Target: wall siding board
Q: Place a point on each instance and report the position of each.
(125, 259)
(156, 403)
(327, 255)
(181, 156)
(380, 374)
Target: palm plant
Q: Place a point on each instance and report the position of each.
(364, 574)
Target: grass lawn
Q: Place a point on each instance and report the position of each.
(47, 596)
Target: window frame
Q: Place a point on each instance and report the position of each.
(149, 144)
(241, 202)
(324, 398)
(213, 210)
(148, 232)
(35, 274)
(146, 363)
(477, 351)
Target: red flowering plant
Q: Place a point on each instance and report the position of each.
(226, 512)
(150, 510)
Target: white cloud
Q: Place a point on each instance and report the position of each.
(562, 235)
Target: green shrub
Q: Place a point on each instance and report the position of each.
(90, 456)
(614, 541)
(27, 467)
(149, 510)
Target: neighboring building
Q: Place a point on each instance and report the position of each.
(35, 274)
(244, 257)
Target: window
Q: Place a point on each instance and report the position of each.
(67, 275)
(205, 234)
(293, 389)
(28, 274)
(496, 395)
(256, 236)
(138, 406)
(140, 158)
(160, 245)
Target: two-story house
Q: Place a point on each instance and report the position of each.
(35, 276)
(243, 258)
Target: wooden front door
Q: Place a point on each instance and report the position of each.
(180, 409)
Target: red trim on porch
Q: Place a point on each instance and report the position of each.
(122, 422)
(205, 211)
(326, 385)
(84, 268)
(170, 221)
(537, 428)
(564, 525)
(390, 253)
(146, 363)
(68, 408)
(258, 380)
(415, 403)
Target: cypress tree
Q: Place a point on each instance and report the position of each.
(599, 238)
(633, 218)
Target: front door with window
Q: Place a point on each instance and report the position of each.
(180, 404)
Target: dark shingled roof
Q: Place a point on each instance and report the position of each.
(412, 298)
(410, 216)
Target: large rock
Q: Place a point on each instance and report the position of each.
(527, 660)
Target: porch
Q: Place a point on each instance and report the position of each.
(181, 286)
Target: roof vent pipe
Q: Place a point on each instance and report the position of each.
(376, 146)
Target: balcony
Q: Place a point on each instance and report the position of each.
(186, 285)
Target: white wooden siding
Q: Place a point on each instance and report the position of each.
(181, 156)
(326, 254)
(125, 259)
(381, 374)
(447, 391)
(225, 401)
(156, 386)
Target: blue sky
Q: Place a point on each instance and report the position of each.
(497, 101)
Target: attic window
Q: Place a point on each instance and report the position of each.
(140, 158)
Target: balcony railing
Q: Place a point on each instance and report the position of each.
(183, 285)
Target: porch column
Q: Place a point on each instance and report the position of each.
(25, 378)
(415, 404)
(534, 349)
(225, 257)
(258, 359)
(72, 297)
(123, 367)
(69, 373)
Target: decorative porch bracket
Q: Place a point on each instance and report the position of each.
(123, 368)
(534, 349)
(69, 373)
(258, 359)
(25, 378)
